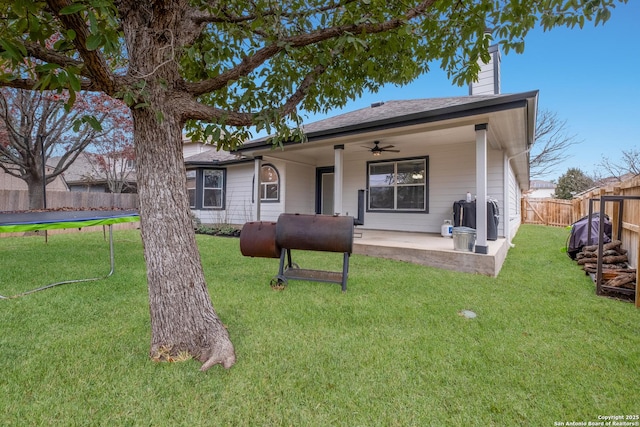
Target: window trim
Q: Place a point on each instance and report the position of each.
(395, 185)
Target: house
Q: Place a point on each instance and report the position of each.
(401, 164)
(540, 189)
(89, 173)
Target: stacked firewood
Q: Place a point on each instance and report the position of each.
(615, 268)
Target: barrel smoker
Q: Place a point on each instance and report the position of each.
(301, 232)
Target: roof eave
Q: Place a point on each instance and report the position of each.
(484, 106)
(215, 163)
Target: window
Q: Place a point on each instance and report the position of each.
(212, 188)
(399, 186)
(191, 188)
(269, 184)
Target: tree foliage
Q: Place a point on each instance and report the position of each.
(220, 68)
(551, 144)
(112, 158)
(571, 183)
(33, 121)
(257, 63)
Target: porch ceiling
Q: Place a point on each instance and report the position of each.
(321, 153)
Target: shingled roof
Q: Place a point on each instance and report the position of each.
(214, 157)
(402, 113)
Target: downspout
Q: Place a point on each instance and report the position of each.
(507, 230)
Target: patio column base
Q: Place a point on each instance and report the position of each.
(482, 249)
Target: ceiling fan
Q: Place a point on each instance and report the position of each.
(376, 150)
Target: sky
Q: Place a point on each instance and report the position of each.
(589, 77)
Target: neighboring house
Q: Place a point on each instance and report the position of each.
(86, 174)
(413, 159)
(8, 182)
(540, 189)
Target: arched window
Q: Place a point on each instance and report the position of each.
(269, 184)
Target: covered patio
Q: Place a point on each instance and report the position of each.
(430, 249)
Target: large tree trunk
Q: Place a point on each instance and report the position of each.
(182, 315)
(183, 319)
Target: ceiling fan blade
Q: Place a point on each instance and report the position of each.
(390, 151)
(388, 146)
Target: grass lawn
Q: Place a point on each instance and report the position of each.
(392, 351)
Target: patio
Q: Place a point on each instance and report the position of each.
(430, 249)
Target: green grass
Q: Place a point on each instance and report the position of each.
(392, 351)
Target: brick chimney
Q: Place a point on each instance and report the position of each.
(488, 82)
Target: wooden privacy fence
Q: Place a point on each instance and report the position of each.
(18, 200)
(554, 212)
(562, 213)
(622, 206)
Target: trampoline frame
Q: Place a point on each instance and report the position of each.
(51, 220)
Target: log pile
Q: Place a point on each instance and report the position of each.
(616, 272)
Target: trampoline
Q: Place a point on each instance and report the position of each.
(17, 222)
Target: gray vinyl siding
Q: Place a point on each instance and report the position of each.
(299, 189)
(452, 172)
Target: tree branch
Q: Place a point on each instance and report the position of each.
(291, 104)
(552, 141)
(229, 18)
(95, 64)
(193, 110)
(250, 63)
(51, 56)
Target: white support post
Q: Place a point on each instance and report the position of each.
(257, 167)
(338, 174)
(481, 189)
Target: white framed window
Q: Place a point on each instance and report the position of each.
(269, 184)
(212, 188)
(398, 186)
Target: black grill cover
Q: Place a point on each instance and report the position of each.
(580, 232)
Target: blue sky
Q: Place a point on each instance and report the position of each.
(588, 77)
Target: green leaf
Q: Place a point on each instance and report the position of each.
(46, 67)
(72, 8)
(74, 82)
(70, 102)
(14, 51)
(94, 123)
(94, 41)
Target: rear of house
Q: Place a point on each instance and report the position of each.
(395, 166)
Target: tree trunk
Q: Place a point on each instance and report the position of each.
(36, 195)
(183, 319)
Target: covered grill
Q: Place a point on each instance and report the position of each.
(302, 232)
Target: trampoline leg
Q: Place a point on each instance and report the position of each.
(111, 258)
